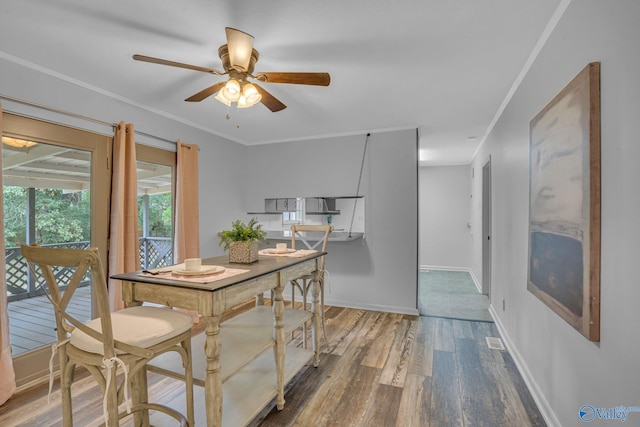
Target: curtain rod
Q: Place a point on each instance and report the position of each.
(79, 116)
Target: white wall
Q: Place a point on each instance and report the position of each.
(379, 272)
(565, 370)
(444, 209)
(222, 184)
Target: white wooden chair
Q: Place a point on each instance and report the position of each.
(312, 237)
(127, 338)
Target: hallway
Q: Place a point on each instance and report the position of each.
(452, 295)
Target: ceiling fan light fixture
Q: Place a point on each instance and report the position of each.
(251, 94)
(240, 48)
(242, 102)
(220, 97)
(231, 90)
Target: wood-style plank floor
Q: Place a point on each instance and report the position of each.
(379, 369)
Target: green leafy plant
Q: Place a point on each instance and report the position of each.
(241, 232)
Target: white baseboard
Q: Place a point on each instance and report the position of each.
(475, 280)
(442, 267)
(543, 405)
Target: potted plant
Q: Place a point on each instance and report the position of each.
(242, 241)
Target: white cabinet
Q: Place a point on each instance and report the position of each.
(321, 206)
(279, 205)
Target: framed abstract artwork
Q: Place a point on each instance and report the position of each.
(564, 203)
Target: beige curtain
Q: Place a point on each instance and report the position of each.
(187, 229)
(7, 374)
(124, 251)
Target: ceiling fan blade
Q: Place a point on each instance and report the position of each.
(240, 47)
(205, 93)
(270, 101)
(316, 79)
(176, 64)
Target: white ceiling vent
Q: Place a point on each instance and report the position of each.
(495, 343)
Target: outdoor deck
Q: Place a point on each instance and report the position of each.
(31, 321)
(32, 324)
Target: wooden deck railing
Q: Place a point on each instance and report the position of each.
(154, 252)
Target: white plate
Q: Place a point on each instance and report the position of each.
(279, 251)
(205, 269)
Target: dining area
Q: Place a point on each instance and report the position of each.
(231, 369)
(350, 258)
(247, 353)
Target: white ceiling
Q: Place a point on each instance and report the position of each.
(442, 66)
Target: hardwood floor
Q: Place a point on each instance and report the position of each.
(379, 369)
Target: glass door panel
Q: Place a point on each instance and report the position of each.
(155, 215)
(56, 193)
(155, 205)
(43, 204)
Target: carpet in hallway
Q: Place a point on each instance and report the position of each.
(451, 294)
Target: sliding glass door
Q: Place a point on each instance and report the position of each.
(56, 191)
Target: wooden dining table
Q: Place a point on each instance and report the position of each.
(211, 299)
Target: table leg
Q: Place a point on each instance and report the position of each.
(315, 318)
(278, 348)
(213, 379)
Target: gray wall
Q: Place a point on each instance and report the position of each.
(445, 239)
(563, 369)
(379, 272)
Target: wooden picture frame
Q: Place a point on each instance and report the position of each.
(564, 203)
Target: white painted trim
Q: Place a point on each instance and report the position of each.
(441, 267)
(333, 135)
(68, 79)
(538, 396)
(475, 280)
(430, 163)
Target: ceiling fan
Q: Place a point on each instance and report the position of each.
(238, 60)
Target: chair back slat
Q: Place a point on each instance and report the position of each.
(72, 285)
(81, 261)
(319, 237)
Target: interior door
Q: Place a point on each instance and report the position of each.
(56, 183)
